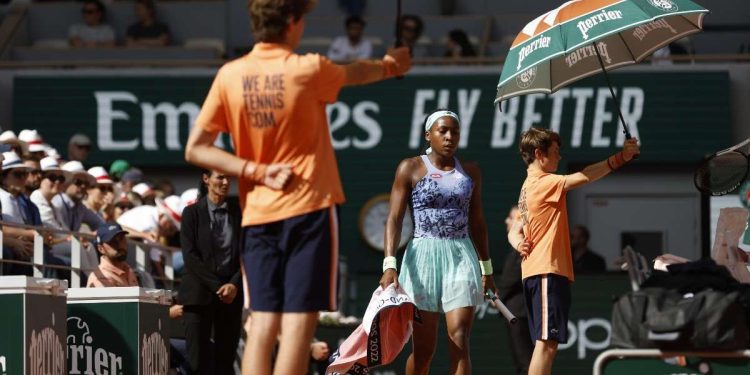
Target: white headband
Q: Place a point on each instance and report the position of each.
(435, 116)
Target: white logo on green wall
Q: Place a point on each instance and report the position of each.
(2, 365)
(82, 352)
(154, 354)
(665, 5)
(107, 114)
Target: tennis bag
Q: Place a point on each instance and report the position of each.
(668, 320)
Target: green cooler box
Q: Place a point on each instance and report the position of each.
(118, 331)
(32, 326)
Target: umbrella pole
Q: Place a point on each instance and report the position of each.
(399, 43)
(614, 97)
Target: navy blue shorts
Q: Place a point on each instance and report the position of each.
(291, 265)
(548, 304)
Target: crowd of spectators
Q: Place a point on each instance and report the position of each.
(148, 31)
(94, 32)
(39, 187)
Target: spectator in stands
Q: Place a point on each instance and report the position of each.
(148, 31)
(117, 168)
(147, 194)
(18, 242)
(34, 178)
(151, 223)
(351, 46)
(70, 210)
(9, 138)
(166, 187)
(79, 147)
(53, 183)
(69, 206)
(585, 261)
(211, 290)
(93, 32)
(459, 45)
(100, 196)
(133, 176)
(34, 144)
(113, 269)
(123, 204)
(411, 30)
(16, 207)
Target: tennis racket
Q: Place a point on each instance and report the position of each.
(723, 171)
(500, 306)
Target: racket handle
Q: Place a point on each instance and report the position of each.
(500, 306)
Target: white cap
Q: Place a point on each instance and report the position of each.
(11, 160)
(189, 196)
(142, 189)
(50, 164)
(32, 139)
(172, 207)
(8, 136)
(76, 168)
(52, 152)
(101, 175)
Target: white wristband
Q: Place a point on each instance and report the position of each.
(389, 262)
(486, 267)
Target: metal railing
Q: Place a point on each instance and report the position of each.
(77, 241)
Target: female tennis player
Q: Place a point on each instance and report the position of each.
(441, 268)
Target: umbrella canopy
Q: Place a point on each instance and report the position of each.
(560, 46)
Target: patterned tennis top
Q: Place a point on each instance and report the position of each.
(440, 202)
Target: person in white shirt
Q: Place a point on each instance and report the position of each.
(93, 32)
(149, 223)
(16, 208)
(351, 46)
(53, 182)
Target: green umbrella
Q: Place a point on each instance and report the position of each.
(585, 37)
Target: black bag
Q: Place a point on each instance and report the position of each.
(668, 320)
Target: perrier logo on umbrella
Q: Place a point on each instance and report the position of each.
(562, 45)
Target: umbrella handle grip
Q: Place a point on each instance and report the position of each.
(628, 136)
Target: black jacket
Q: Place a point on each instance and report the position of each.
(200, 281)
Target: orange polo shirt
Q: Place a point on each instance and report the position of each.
(544, 210)
(273, 103)
(108, 275)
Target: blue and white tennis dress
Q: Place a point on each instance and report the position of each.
(440, 269)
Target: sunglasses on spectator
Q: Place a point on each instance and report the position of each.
(105, 188)
(20, 174)
(55, 177)
(35, 171)
(81, 183)
(90, 10)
